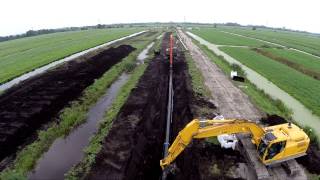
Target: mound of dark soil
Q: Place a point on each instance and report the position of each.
(134, 145)
(272, 120)
(25, 107)
(312, 160)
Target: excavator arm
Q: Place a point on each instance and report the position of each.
(198, 129)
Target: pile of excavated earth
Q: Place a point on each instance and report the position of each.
(134, 144)
(36, 101)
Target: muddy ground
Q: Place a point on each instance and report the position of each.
(134, 145)
(27, 106)
(312, 160)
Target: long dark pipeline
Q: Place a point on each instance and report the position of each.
(169, 115)
(169, 108)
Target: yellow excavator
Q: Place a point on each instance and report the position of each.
(275, 144)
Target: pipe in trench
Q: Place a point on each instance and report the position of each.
(169, 108)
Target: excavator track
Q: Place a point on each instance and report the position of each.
(246, 148)
(287, 170)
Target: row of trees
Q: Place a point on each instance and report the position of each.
(48, 31)
(35, 33)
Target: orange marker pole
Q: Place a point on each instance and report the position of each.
(171, 49)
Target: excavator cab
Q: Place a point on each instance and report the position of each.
(268, 150)
(274, 149)
(281, 143)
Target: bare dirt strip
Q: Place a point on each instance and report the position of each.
(27, 106)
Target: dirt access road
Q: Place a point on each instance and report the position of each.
(233, 103)
(230, 100)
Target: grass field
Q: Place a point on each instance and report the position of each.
(215, 36)
(304, 88)
(75, 114)
(263, 101)
(23, 55)
(302, 59)
(302, 41)
(95, 145)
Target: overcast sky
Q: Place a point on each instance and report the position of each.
(18, 16)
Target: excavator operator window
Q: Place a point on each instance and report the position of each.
(275, 149)
(261, 148)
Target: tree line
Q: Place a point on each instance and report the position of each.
(48, 31)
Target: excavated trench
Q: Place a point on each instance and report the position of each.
(196, 160)
(134, 145)
(27, 106)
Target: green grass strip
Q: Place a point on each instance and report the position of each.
(305, 60)
(197, 78)
(71, 116)
(262, 100)
(215, 36)
(26, 54)
(95, 144)
(80, 170)
(299, 40)
(257, 96)
(300, 86)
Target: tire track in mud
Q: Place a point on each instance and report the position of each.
(134, 145)
(27, 106)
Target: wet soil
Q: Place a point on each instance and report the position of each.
(67, 151)
(27, 106)
(312, 160)
(273, 119)
(134, 144)
(216, 162)
(196, 160)
(183, 113)
(144, 54)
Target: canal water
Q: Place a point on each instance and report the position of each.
(144, 54)
(68, 151)
(65, 152)
(301, 114)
